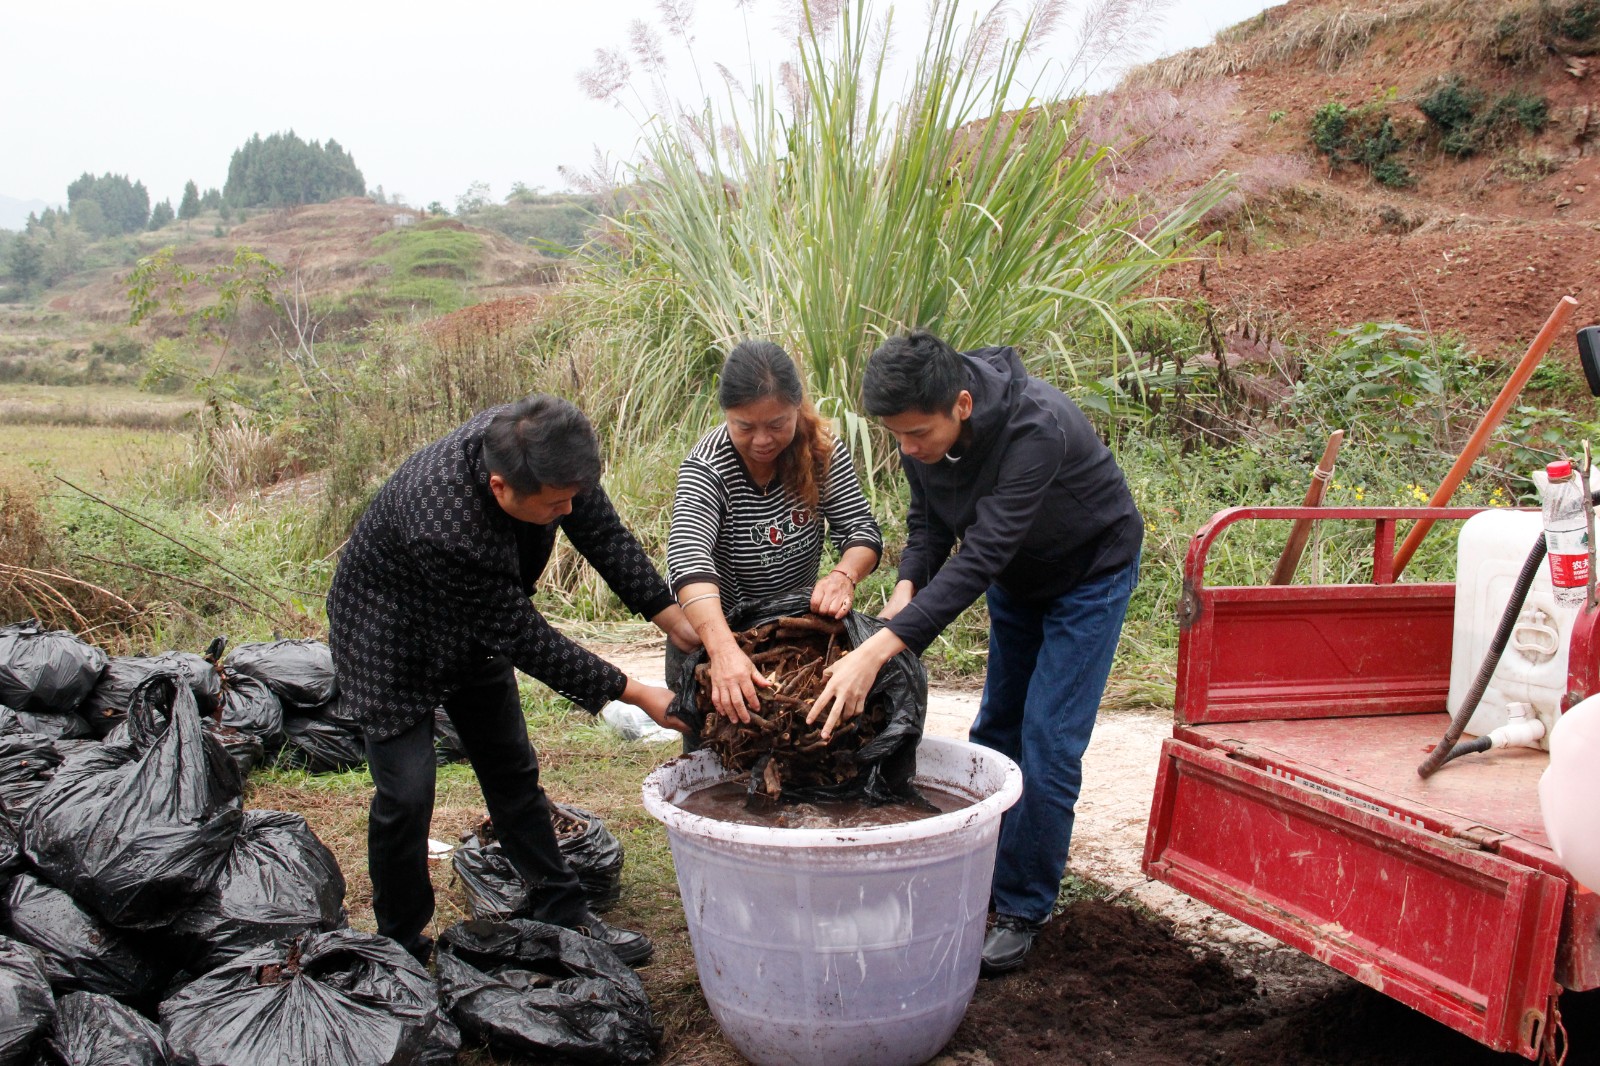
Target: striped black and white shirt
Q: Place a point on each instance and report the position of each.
(754, 543)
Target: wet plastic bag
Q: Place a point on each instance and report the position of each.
(250, 707)
(299, 672)
(280, 881)
(322, 745)
(540, 989)
(885, 764)
(82, 952)
(44, 672)
(447, 746)
(96, 1030)
(245, 749)
(27, 1011)
(28, 762)
(107, 705)
(44, 724)
(495, 891)
(340, 997)
(138, 833)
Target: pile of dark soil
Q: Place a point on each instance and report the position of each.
(1109, 984)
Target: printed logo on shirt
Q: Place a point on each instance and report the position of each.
(774, 534)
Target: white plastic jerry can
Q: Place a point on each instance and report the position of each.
(1533, 668)
(1569, 792)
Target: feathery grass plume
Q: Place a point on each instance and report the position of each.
(856, 211)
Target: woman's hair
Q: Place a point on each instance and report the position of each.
(755, 370)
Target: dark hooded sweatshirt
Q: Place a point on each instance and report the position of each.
(1036, 500)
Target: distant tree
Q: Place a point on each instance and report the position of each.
(162, 214)
(63, 253)
(377, 196)
(476, 198)
(27, 261)
(189, 206)
(283, 169)
(124, 205)
(212, 200)
(436, 208)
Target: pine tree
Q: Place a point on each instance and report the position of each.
(189, 206)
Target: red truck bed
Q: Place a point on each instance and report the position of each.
(1288, 796)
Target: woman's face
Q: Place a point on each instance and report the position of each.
(762, 429)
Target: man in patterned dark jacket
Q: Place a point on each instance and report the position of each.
(430, 608)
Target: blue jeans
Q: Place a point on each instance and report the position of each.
(1048, 665)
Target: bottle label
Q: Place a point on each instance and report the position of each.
(1569, 557)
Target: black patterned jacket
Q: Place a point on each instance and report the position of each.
(436, 578)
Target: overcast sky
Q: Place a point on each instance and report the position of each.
(428, 98)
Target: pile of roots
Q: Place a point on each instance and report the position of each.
(776, 750)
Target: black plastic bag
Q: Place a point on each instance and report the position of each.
(495, 891)
(43, 672)
(322, 745)
(28, 762)
(280, 881)
(885, 764)
(541, 989)
(96, 1030)
(138, 833)
(340, 997)
(12, 860)
(447, 744)
(245, 749)
(594, 854)
(70, 747)
(107, 705)
(82, 952)
(27, 1010)
(299, 672)
(250, 707)
(54, 726)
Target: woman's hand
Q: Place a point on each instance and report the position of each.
(834, 595)
(903, 591)
(850, 678)
(734, 683)
(655, 702)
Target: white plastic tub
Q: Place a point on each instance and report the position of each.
(850, 947)
(1533, 667)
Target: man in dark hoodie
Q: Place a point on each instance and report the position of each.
(1008, 467)
(429, 609)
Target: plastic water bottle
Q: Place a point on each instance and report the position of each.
(1566, 535)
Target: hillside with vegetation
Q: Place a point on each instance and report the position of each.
(1428, 162)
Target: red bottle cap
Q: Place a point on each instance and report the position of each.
(1559, 470)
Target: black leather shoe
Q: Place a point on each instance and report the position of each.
(1007, 944)
(632, 947)
(422, 949)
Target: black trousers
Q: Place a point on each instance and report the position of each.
(488, 714)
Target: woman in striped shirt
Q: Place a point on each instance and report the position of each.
(747, 520)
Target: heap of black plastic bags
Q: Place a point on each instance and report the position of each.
(150, 919)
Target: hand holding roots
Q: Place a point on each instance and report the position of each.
(776, 748)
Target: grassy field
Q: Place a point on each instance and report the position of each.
(92, 405)
(102, 455)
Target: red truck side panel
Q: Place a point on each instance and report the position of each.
(1462, 935)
